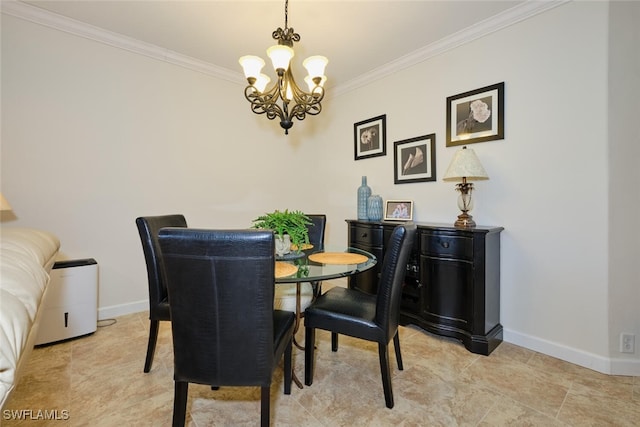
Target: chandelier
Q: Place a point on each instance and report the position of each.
(295, 102)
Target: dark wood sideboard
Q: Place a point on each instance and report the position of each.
(452, 284)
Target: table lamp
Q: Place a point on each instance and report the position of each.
(465, 167)
(4, 204)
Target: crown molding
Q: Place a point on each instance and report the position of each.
(502, 20)
(53, 20)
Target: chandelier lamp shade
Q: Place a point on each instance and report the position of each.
(465, 167)
(294, 101)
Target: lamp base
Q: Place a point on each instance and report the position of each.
(465, 221)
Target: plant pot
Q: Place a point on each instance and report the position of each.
(283, 244)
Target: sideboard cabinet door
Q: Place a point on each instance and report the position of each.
(448, 292)
(460, 276)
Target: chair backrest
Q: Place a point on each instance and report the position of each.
(221, 285)
(392, 275)
(148, 227)
(316, 231)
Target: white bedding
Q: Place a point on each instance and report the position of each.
(26, 259)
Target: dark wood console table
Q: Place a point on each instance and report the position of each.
(452, 284)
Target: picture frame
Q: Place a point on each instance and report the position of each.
(398, 210)
(476, 116)
(414, 159)
(370, 138)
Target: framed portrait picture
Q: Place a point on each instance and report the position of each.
(414, 160)
(370, 137)
(476, 116)
(398, 210)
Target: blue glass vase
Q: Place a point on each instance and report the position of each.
(374, 208)
(364, 191)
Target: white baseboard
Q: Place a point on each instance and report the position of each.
(605, 365)
(122, 309)
(625, 367)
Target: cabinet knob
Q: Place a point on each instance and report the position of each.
(364, 235)
(445, 245)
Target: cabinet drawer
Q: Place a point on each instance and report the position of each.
(447, 246)
(369, 236)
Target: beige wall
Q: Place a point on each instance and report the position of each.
(93, 136)
(624, 176)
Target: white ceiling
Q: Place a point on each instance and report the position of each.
(358, 37)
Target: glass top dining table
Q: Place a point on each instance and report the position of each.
(318, 264)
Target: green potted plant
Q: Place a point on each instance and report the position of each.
(290, 229)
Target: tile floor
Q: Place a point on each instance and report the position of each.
(99, 381)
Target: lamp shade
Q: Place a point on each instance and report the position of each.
(251, 65)
(315, 65)
(261, 82)
(280, 56)
(465, 164)
(4, 204)
(312, 85)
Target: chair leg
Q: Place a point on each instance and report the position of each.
(317, 289)
(386, 377)
(334, 341)
(151, 346)
(309, 347)
(396, 345)
(264, 406)
(180, 403)
(288, 369)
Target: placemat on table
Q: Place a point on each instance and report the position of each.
(305, 246)
(284, 269)
(338, 258)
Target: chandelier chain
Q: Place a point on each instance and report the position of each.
(286, 14)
